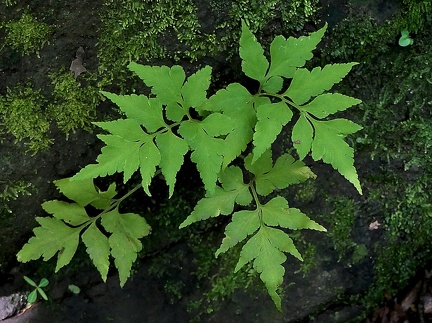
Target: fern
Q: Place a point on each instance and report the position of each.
(158, 130)
(60, 234)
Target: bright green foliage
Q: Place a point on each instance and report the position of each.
(129, 147)
(126, 231)
(26, 35)
(328, 143)
(32, 297)
(157, 132)
(307, 84)
(60, 233)
(98, 249)
(283, 63)
(233, 191)
(52, 237)
(124, 152)
(254, 63)
(271, 118)
(286, 171)
(265, 248)
(237, 103)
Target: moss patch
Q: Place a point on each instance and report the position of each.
(26, 35)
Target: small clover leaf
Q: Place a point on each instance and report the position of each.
(32, 297)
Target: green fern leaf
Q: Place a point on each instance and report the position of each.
(302, 136)
(262, 165)
(172, 150)
(175, 112)
(237, 103)
(232, 181)
(208, 151)
(194, 91)
(82, 192)
(234, 190)
(145, 111)
(271, 118)
(124, 241)
(105, 197)
(127, 129)
(266, 248)
(243, 224)
(305, 84)
(217, 124)
(165, 82)
(328, 145)
(254, 63)
(273, 85)
(52, 237)
(85, 192)
(98, 249)
(329, 103)
(285, 172)
(213, 205)
(277, 213)
(149, 158)
(288, 54)
(71, 213)
(119, 155)
(123, 155)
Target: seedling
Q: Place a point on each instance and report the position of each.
(405, 39)
(38, 289)
(74, 289)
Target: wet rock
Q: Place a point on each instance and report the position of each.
(11, 305)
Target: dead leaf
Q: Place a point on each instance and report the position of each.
(374, 225)
(411, 297)
(76, 65)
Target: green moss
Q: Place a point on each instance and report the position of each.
(416, 14)
(26, 35)
(27, 115)
(10, 3)
(216, 276)
(408, 227)
(10, 191)
(342, 217)
(74, 104)
(308, 252)
(136, 31)
(361, 38)
(397, 132)
(305, 192)
(295, 14)
(256, 13)
(22, 115)
(212, 280)
(397, 113)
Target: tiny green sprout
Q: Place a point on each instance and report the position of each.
(405, 39)
(74, 289)
(32, 297)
